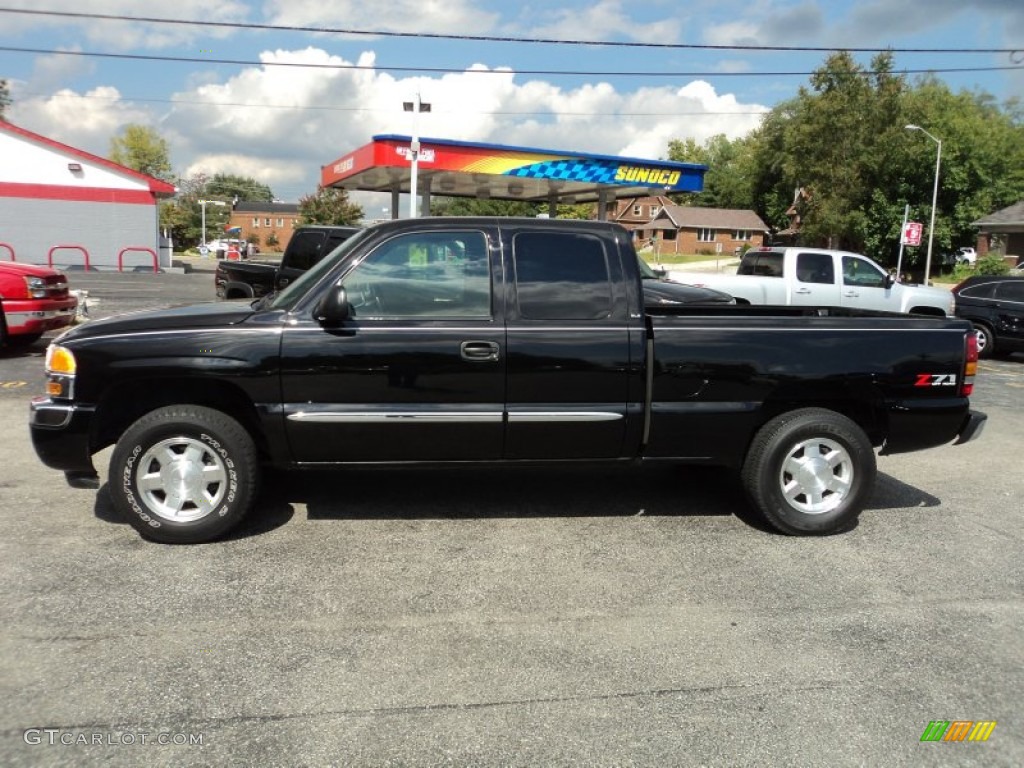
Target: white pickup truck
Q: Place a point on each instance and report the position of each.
(820, 277)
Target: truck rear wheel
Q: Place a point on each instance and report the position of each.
(809, 472)
(184, 474)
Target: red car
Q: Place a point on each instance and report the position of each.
(33, 300)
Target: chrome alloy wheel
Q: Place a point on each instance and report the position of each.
(816, 476)
(181, 479)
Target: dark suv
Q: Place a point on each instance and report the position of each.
(995, 304)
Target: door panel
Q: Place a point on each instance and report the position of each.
(569, 353)
(417, 374)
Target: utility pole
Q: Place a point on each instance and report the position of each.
(414, 151)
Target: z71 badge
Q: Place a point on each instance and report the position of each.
(935, 380)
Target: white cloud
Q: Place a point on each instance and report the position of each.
(86, 121)
(606, 20)
(279, 125)
(125, 35)
(438, 16)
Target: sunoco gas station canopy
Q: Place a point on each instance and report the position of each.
(465, 169)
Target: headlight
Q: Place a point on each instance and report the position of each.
(60, 360)
(36, 287)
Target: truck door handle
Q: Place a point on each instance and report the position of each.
(802, 290)
(284, 281)
(479, 351)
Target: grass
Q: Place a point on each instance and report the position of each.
(683, 258)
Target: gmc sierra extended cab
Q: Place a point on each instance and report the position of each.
(33, 300)
(818, 277)
(253, 279)
(455, 341)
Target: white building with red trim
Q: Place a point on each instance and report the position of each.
(64, 207)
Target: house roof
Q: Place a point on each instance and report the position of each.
(262, 207)
(690, 217)
(157, 186)
(1007, 220)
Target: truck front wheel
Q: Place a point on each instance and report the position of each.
(184, 474)
(809, 472)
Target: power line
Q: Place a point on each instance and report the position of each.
(325, 108)
(454, 70)
(486, 38)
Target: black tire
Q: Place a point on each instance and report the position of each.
(809, 472)
(24, 339)
(986, 341)
(211, 460)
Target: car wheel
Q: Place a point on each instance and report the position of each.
(809, 472)
(184, 474)
(986, 340)
(24, 339)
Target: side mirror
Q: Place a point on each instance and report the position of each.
(890, 280)
(333, 309)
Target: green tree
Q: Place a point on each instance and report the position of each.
(5, 98)
(843, 140)
(728, 182)
(329, 205)
(226, 186)
(142, 149)
(272, 240)
(471, 206)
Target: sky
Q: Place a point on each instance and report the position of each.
(279, 124)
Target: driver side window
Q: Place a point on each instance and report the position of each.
(862, 273)
(423, 275)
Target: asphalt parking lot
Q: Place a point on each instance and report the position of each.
(536, 617)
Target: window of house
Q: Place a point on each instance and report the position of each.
(256, 222)
(668, 234)
(266, 221)
(706, 235)
(280, 222)
(636, 210)
(654, 210)
(741, 234)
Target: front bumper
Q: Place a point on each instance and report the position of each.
(60, 436)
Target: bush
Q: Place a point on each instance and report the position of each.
(990, 264)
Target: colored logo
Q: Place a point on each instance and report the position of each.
(958, 730)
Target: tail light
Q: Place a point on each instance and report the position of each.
(970, 364)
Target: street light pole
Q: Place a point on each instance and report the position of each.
(202, 206)
(935, 197)
(414, 151)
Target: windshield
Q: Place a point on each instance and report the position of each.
(288, 297)
(646, 272)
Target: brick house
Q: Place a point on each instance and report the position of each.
(1007, 224)
(257, 220)
(669, 228)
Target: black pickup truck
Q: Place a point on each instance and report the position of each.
(456, 341)
(253, 279)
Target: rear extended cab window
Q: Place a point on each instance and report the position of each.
(761, 263)
(562, 276)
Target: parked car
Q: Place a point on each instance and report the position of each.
(256, 279)
(966, 256)
(33, 300)
(823, 278)
(995, 305)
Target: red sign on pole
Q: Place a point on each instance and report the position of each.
(911, 233)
